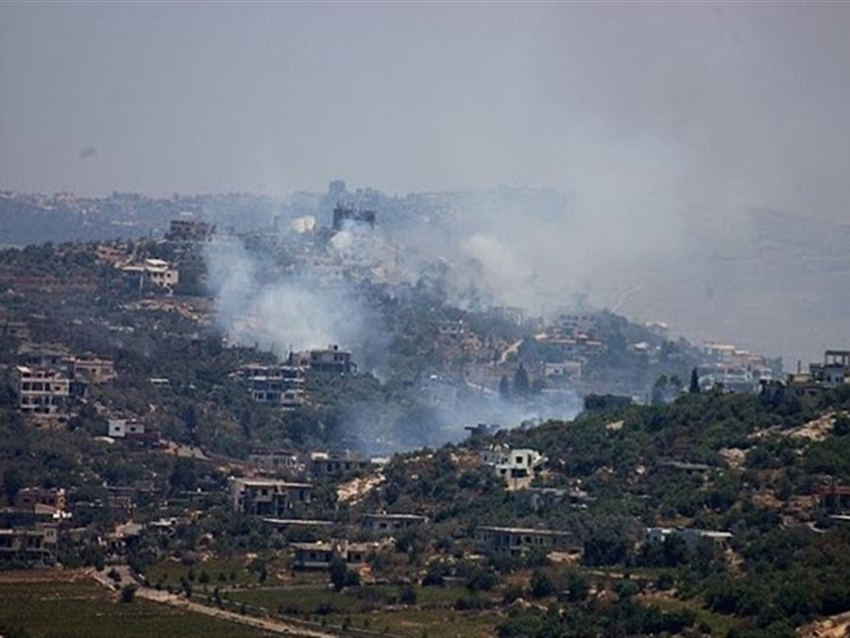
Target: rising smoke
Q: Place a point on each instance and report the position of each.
(256, 305)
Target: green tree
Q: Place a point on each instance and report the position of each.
(338, 572)
(841, 425)
(184, 476)
(128, 593)
(13, 481)
(521, 384)
(694, 387)
(504, 387)
(541, 584)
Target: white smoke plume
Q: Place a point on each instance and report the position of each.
(256, 305)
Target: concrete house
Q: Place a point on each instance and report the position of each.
(42, 391)
(690, 536)
(331, 359)
(509, 463)
(33, 546)
(133, 430)
(325, 464)
(152, 273)
(277, 462)
(94, 369)
(320, 554)
(383, 523)
(31, 497)
(519, 540)
(277, 385)
(834, 371)
(267, 497)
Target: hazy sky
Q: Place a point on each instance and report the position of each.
(706, 103)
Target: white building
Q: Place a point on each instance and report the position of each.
(510, 463)
(121, 428)
(153, 272)
(690, 536)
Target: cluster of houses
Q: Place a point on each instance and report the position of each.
(275, 501)
(314, 465)
(732, 369)
(571, 343)
(832, 372)
(49, 381)
(283, 384)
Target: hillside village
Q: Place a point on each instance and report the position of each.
(581, 475)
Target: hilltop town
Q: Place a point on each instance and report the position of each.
(452, 469)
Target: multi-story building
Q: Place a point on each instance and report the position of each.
(42, 391)
(189, 229)
(719, 352)
(324, 464)
(278, 385)
(44, 356)
(29, 497)
(509, 463)
(34, 545)
(834, 371)
(320, 554)
(267, 497)
(154, 273)
(331, 359)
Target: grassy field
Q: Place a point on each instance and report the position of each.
(720, 624)
(84, 609)
(374, 608)
(427, 623)
(320, 599)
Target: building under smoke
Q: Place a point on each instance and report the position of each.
(346, 215)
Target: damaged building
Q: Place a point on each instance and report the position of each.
(43, 392)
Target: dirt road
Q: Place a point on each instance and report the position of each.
(266, 624)
(148, 593)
